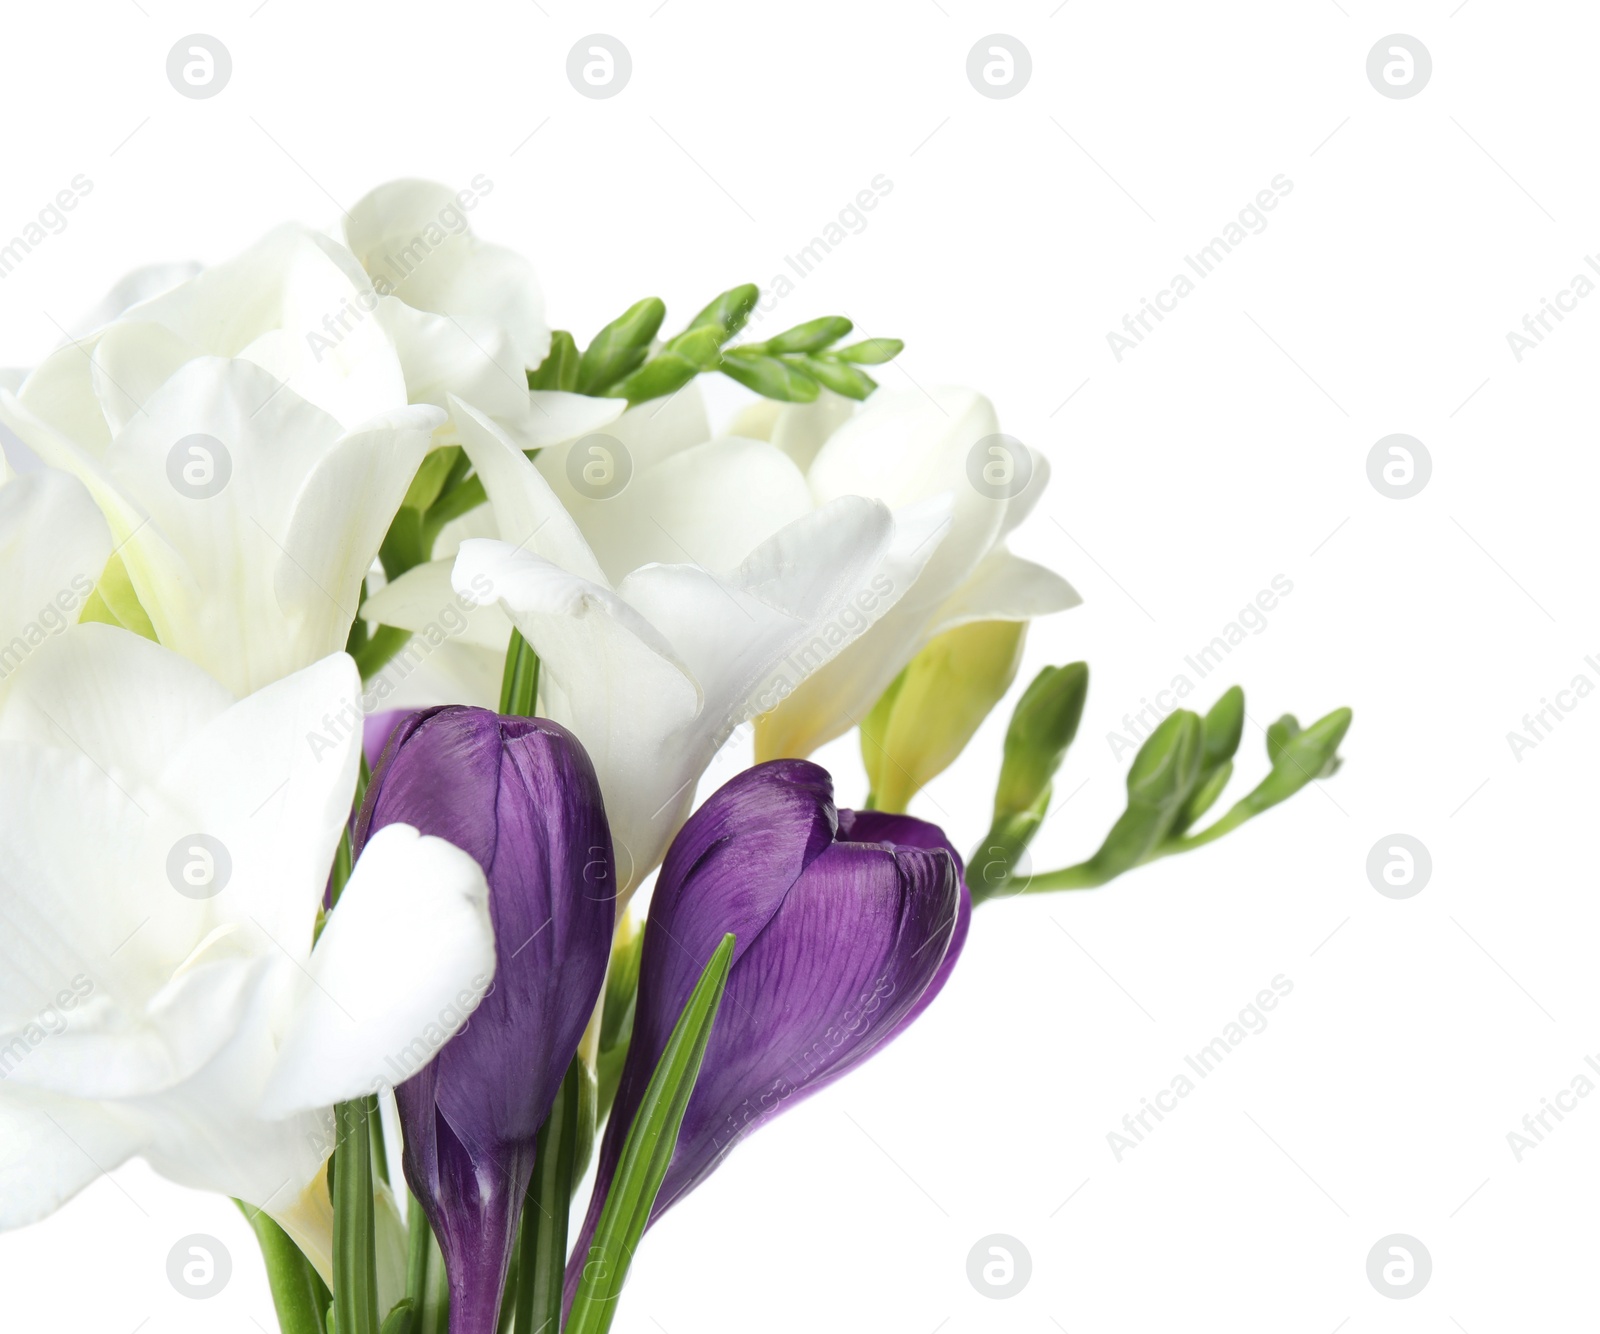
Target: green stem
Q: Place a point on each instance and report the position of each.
(355, 1250)
(544, 1217)
(425, 1277)
(1226, 825)
(374, 655)
(519, 685)
(293, 1282)
(1085, 875)
(380, 1150)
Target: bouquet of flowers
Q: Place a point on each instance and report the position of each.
(363, 641)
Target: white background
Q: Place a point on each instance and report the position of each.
(1230, 447)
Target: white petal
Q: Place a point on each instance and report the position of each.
(414, 237)
(339, 521)
(113, 696)
(59, 395)
(558, 417)
(612, 678)
(906, 446)
(295, 303)
(801, 429)
(424, 601)
(53, 546)
(525, 508)
(708, 505)
(404, 959)
(208, 1132)
(648, 434)
(418, 677)
(51, 1148)
(802, 595)
(1005, 588)
(272, 779)
(262, 577)
(132, 288)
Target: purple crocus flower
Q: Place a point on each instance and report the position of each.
(521, 796)
(848, 923)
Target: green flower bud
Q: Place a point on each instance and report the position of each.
(1222, 729)
(665, 373)
(839, 376)
(927, 716)
(1043, 725)
(872, 351)
(729, 311)
(812, 336)
(621, 347)
(769, 377)
(1162, 777)
(1298, 757)
(559, 369)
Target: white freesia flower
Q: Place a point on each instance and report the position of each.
(165, 854)
(711, 500)
(654, 669)
(903, 447)
(244, 517)
(466, 316)
(263, 306)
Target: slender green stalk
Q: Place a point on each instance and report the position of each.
(519, 685)
(425, 1277)
(544, 1217)
(376, 650)
(380, 1150)
(1085, 875)
(355, 1248)
(294, 1284)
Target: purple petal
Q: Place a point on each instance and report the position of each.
(375, 730)
(909, 832)
(839, 944)
(521, 797)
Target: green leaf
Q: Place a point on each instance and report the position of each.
(871, 351)
(400, 1318)
(616, 1018)
(298, 1295)
(355, 1254)
(559, 369)
(729, 311)
(647, 1151)
(621, 347)
(543, 1250)
(431, 476)
(769, 377)
(812, 336)
(427, 1288)
(402, 545)
(519, 680)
